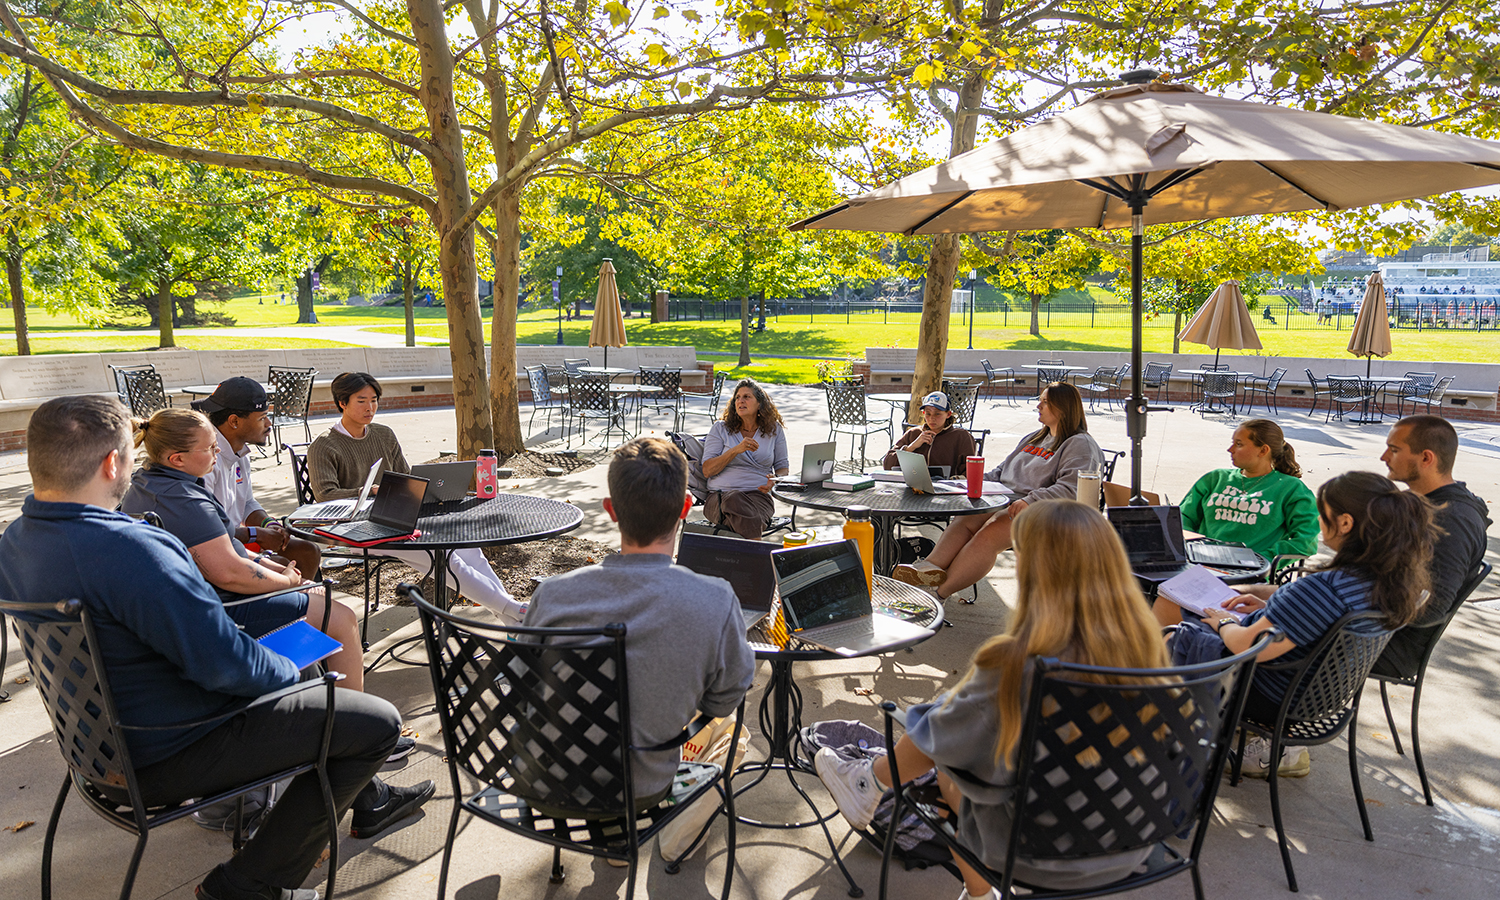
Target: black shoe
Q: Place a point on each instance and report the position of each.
(219, 885)
(404, 747)
(400, 802)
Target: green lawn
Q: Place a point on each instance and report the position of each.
(127, 343)
(248, 312)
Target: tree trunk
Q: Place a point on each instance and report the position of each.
(406, 294)
(13, 258)
(1176, 331)
(504, 403)
(189, 308)
(942, 268)
(745, 330)
(165, 304)
(1036, 314)
(450, 178)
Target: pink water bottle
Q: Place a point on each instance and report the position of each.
(974, 468)
(485, 485)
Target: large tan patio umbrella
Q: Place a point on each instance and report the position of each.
(1372, 327)
(608, 329)
(1150, 153)
(1223, 322)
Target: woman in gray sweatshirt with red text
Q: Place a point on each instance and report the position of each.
(1044, 466)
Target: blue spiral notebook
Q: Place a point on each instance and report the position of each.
(301, 643)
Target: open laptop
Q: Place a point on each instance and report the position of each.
(1153, 540)
(817, 466)
(446, 481)
(339, 510)
(914, 473)
(827, 601)
(393, 514)
(746, 565)
(1224, 556)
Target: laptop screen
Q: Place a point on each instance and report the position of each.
(1151, 534)
(399, 501)
(821, 583)
(746, 565)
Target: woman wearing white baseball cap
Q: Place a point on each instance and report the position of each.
(938, 438)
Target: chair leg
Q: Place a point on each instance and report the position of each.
(448, 849)
(1391, 720)
(557, 867)
(1286, 853)
(1351, 734)
(729, 833)
(1416, 741)
(57, 808)
(135, 864)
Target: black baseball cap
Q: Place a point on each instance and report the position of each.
(238, 393)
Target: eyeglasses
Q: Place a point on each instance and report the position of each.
(214, 448)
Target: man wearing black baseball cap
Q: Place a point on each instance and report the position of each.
(237, 410)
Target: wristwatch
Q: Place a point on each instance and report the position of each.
(1220, 623)
(252, 532)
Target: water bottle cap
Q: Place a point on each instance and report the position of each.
(858, 512)
(486, 453)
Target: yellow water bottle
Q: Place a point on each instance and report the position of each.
(859, 528)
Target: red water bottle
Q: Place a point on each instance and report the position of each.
(485, 485)
(974, 467)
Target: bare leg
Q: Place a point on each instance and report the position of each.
(305, 554)
(913, 763)
(978, 556)
(343, 626)
(953, 539)
(1166, 612)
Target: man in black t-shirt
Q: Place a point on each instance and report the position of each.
(1420, 452)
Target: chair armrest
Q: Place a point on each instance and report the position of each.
(702, 721)
(328, 678)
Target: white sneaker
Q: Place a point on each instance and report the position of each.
(852, 784)
(990, 894)
(1295, 761)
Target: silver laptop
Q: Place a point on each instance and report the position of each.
(397, 507)
(914, 473)
(447, 481)
(827, 601)
(817, 466)
(339, 510)
(746, 565)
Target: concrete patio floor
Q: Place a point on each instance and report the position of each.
(1450, 850)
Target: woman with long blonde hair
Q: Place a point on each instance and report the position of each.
(1081, 606)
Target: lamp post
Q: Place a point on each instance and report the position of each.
(557, 298)
(973, 296)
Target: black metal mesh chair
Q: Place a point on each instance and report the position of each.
(60, 643)
(144, 393)
(1108, 768)
(1312, 381)
(1426, 395)
(1219, 392)
(995, 378)
(703, 403)
(1101, 384)
(848, 413)
(1157, 377)
(542, 397)
(1345, 391)
(121, 390)
(1430, 635)
(963, 401)
(540, 717)
(666, 398)
(1266, 387)
(1321, 702)
(291, 399)
(1046, 375)
(589, 399)
(575, 366)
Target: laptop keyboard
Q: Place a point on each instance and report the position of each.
(840, 632)
(1150, 568)
(366, 531)
(1219, 555)
(332, 508)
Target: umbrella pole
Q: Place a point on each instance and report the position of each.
(1368, 357)
(1135, 416)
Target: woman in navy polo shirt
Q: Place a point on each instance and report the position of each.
(180, 447)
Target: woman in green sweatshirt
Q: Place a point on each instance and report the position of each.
(1261, 502)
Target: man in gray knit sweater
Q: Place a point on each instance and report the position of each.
(684, 634)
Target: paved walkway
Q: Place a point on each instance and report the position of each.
(1452, 850)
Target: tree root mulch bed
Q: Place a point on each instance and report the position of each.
(531, 464)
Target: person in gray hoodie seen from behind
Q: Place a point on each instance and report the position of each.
(684, 635)
(1044, 466)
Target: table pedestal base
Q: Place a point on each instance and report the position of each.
(781, 718)
(440, 589)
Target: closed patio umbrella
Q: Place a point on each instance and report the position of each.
(608, 329)
(1372, 327)
(1223, 322)
(1150, 153)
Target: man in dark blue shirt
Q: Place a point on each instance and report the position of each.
(174, 655)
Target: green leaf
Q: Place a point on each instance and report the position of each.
(691, 16)
(655, 53)
(661, 13)
(618, 14)
(775, 39)
(924, 74)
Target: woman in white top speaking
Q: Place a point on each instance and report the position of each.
(744, 451)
